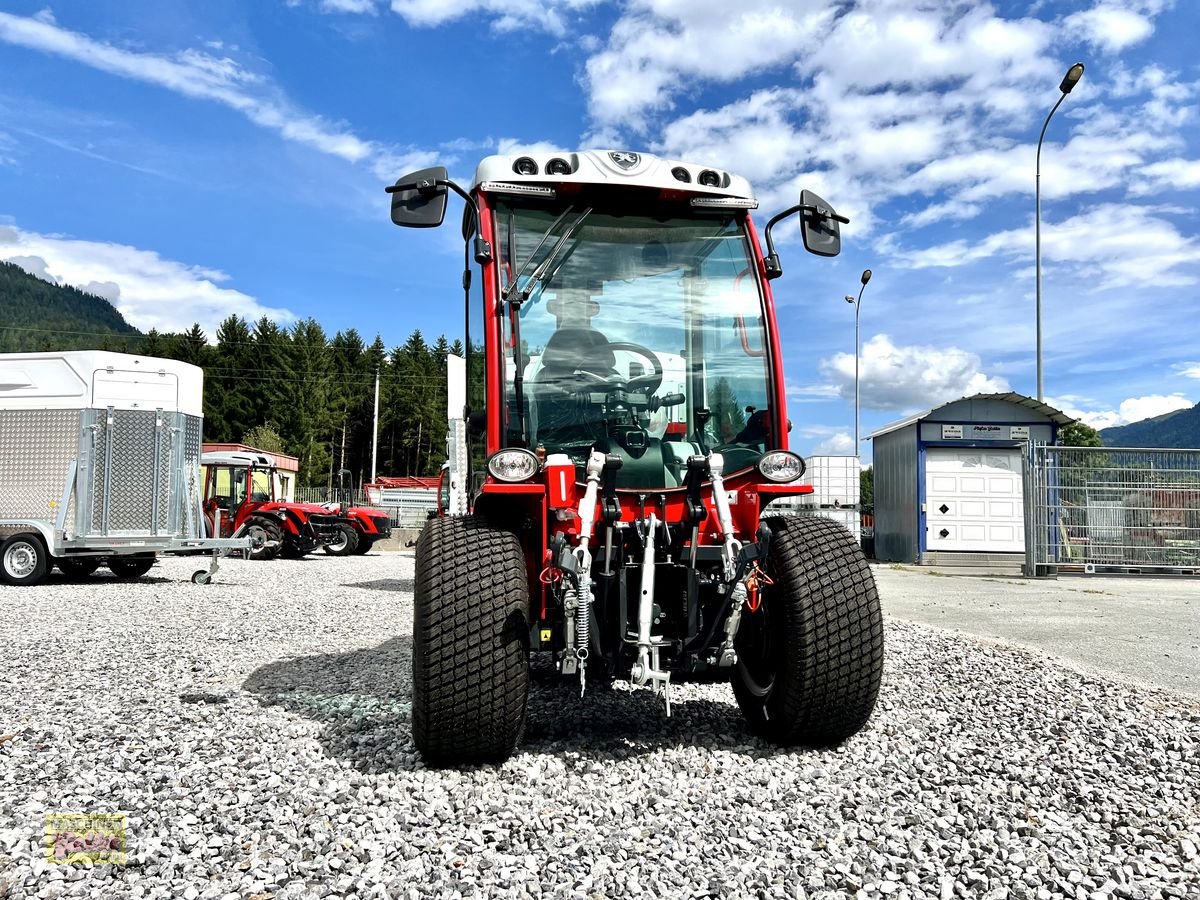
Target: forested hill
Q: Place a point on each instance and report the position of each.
(292, 389)
(1177, 430)
(37, 315)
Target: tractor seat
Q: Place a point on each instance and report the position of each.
(570, 350)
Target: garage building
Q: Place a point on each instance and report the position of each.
(948, 482)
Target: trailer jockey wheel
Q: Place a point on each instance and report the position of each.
(810, 656)
(23, 559)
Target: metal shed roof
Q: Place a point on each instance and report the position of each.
(1057, 416)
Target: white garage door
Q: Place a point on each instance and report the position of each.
(973, 500)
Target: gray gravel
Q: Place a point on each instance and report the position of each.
(256, 732)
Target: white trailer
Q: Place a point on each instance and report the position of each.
(100, 463)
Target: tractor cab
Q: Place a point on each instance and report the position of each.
(626, 429)
(243, 495)
(237, 484)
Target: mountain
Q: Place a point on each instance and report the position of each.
(37, 315)
(1178, 430)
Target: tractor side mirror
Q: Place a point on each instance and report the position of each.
(819, 226)
(419, 200)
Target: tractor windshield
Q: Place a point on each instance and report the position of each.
(639, 335)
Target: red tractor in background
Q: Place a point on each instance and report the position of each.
(614, 459)
(240, 490)
(367, 525)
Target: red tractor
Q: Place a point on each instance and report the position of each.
(240, 488)
(612, 473)
(367, 525)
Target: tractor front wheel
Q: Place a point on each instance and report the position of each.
(470, 642)
(810, 658)
(346, 541)
(270, 533)
(363, 546)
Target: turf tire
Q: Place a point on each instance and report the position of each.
(810, 660)
(470, 643)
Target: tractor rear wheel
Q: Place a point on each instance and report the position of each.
(346, 542)
(810, 659)
(470, 642)
(23, 559)
(270, 532)
(130, 566)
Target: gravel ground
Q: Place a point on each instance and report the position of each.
(256, 733)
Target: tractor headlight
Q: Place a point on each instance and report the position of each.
(513, 465)
(781, 466)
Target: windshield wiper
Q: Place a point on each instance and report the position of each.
(540, 273)
(516, 280)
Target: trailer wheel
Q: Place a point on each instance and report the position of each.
(201, 576)
(23, 559)
(78, 566)
(272, 537)
(470, 642)
(346, 542)
(810, 659)
(130, 566)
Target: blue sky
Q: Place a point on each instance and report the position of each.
(189, 160)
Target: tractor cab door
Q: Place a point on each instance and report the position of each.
(224, 492)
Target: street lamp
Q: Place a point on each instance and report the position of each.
(1068, 83)
(850, 298)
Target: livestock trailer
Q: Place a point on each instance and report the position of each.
(100, 464)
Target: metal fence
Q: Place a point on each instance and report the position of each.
(1112, 509)
(407, 508)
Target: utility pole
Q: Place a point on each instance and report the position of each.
(375, 431)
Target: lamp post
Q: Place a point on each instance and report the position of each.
(1068, 83)
(850, 298)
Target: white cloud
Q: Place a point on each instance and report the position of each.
(507, 15)
(369, 7)
(34, 265)
(1189, 369)
(1111, 26)
(194, 74)
(1135, 409)
(150, 291)
(1167, 175)
(1112, 245)
(912, 377)
(839, 444)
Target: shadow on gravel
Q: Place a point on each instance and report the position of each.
(402, 585)
(364, 701)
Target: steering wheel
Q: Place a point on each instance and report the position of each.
(586, 381)
(648, 383)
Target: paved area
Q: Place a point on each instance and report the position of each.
(1142, 629)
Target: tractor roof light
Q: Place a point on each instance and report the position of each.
(525, 166)
(781, 466)
(725, 202)
(513, 465)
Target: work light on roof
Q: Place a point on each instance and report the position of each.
(558, 166)
(681, 174)
(525, 166)
(709, 178)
